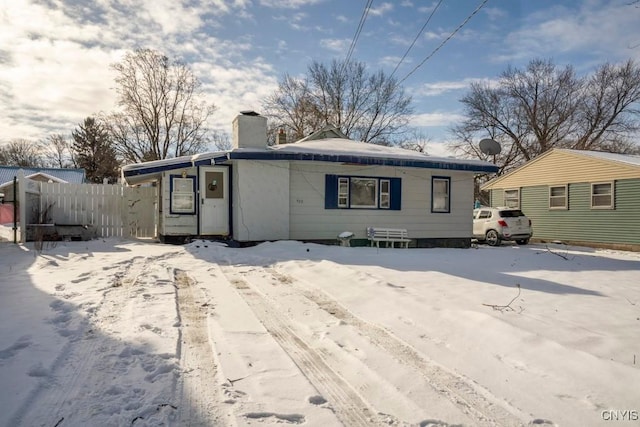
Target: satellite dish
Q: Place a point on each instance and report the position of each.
(490, 147)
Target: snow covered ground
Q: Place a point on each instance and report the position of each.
(121, 333)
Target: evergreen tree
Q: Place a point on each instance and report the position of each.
(94, 152)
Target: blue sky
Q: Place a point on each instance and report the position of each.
(55, 54)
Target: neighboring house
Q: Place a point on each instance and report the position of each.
(311, 190)
(73, 176)
(580, 197)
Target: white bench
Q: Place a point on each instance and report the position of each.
(393, 235)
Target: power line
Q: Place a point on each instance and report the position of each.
(417, 36)
(445, 41)
(363, 18)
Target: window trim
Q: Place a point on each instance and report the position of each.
(611, 194)
(172, 192)
(565, 197)
(344, 194)
(504, 197)
(447, 208)
(333, 197)
(387, 193)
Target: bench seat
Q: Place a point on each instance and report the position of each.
(389, 235)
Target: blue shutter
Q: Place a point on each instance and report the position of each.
(396, 194)
(331, 191)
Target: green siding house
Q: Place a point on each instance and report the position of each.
(579, 197)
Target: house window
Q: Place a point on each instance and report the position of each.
(357, 192)
(558, 197)
(364, 192)
(343, 192)
(512, 198)
(440, 194)
(385, 193)
(183, 194)
(602, 195)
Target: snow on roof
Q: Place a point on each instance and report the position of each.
(74, 176)
(616, 157)
(335, 150)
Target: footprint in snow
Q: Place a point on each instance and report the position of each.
(288, 418)
(22, 343)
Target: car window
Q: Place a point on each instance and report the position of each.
(512, 213)
(484, 214)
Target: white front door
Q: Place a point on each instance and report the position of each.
(214, 200)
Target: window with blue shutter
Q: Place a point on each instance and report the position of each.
(360, 192)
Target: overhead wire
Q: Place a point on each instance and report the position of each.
(363, 18)
(416, 38)
(453, 33)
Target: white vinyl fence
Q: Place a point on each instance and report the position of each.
(113, 210)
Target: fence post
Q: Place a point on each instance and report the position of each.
(22, 200)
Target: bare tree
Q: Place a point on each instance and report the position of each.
(541, 107)
(21, 152)
(366, 107)
(163, 112)
(56, 150)
(415, 140)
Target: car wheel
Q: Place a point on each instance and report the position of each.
(492, 238)
(522, 241)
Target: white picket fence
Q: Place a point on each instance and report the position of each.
(112, 210)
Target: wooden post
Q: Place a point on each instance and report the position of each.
(22, 200)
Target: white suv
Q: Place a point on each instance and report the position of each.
(492, 225)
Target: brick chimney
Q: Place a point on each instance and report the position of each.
(281, 138)
(249, 130)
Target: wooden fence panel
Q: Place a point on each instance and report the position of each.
(114, 210)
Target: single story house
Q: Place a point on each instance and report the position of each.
(311, 190)
(579, 197)
(72, 176)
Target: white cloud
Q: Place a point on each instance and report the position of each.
(55, 61)
(437, 119)
(288, 4)
(381, 10)
(441, 87)
(336, 45)
(494, 13)
(604, 29)
(342, 18)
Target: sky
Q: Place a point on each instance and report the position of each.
(55, 55)
(111, 332)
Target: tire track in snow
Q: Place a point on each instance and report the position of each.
(49, 402)
(470, 398)
(198, 389)
(347, 404)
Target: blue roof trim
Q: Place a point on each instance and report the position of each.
(360, 160)
(156, 169)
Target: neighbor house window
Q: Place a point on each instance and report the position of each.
(558, 197)
(440, 194)
(512, 198)
(358, 192)
(183, 194)
(602, 195)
